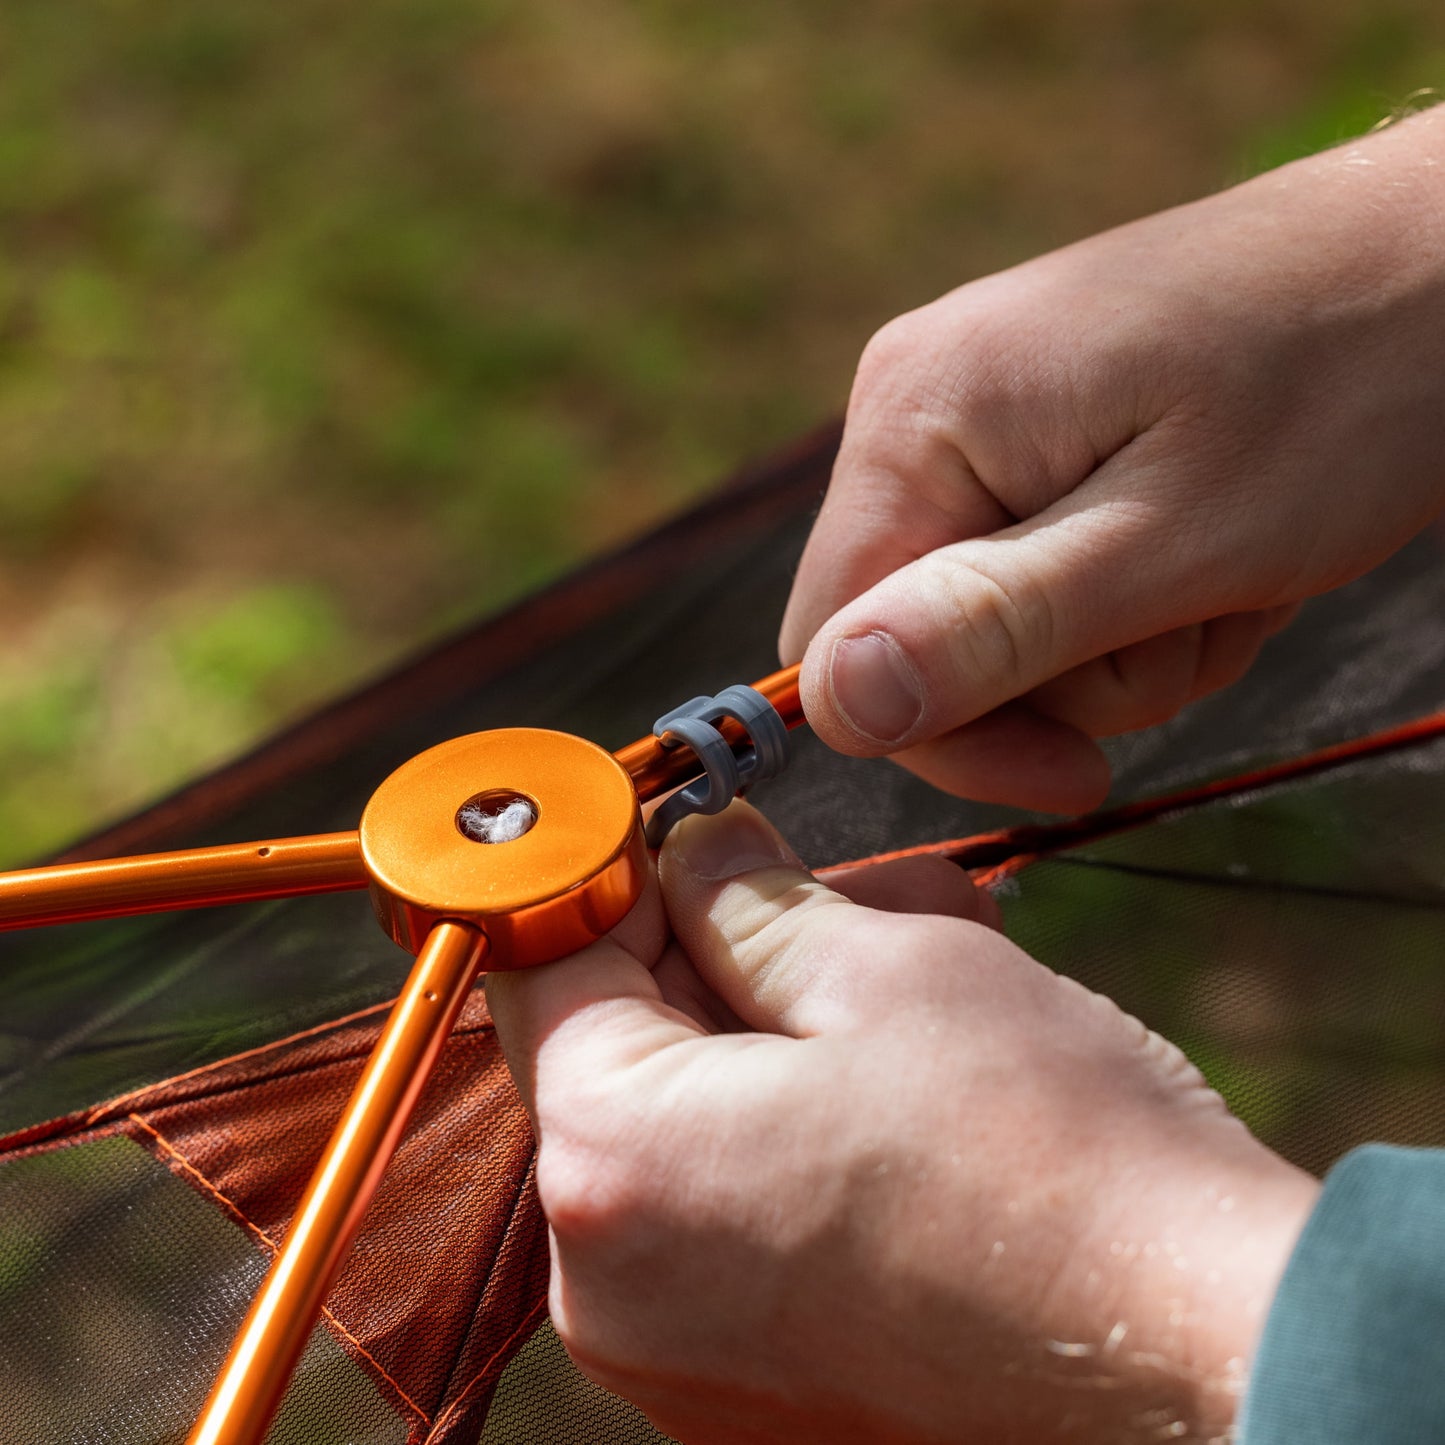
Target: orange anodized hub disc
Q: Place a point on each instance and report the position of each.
(538, 897)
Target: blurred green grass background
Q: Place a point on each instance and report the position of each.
(324, 327)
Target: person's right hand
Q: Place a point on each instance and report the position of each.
(836, 1164)
(1075, 496)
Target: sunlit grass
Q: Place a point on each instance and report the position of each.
(394, 310)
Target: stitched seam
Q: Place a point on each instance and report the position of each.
(255, 1229)
(529, 1322)
(122, 1099)
(98, 1111)
(292, 1072)
(517, 1194)
(523, 1330)
(990, 856)
(53, 1144)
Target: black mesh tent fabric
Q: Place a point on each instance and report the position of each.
(166, 1081)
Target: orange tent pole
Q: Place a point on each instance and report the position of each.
(288, 867)
(193, 878)
(249, 1389)
(656, 769)
(248, 1392)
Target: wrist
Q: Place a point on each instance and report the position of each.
(1367, 217)
(1195, 1288)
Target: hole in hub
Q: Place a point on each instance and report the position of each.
(497, 816)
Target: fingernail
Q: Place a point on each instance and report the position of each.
(874, 687)
(726, 844)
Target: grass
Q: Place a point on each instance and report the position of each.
(323, 327)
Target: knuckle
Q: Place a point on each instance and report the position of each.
(892, 351)
(1001, 628)
(797, 964)
(778, 931)
(986, 397)
(904, 383)
(589, 1199)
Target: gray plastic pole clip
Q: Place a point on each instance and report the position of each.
(724, 771)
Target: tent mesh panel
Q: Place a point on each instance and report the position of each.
(1292, 942)
(1289, 938)
(104, 1335)
(542, 1396)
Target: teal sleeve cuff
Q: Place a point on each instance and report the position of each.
(1354, 1346)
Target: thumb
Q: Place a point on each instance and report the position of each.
(978, 623)
(761, 931)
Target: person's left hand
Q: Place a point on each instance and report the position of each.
(857, 1169)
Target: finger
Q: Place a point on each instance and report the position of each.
(643, 932)
(1015, 756)
(925, 883)
(933, 448)
(1132, 687)
(1231, 645)
(978, 623)
(600, 1009)
(1149, 682)
(681, 987)
(1278, 618)
(765, 935)
(880, 515)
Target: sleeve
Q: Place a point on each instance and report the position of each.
(1354, 1346)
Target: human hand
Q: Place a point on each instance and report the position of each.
(1075, 496)
(819, 1171)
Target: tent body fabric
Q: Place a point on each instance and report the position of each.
(166, 1082)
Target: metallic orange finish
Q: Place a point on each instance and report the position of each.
(657, 770)
(249, 1389)
(457, 903)
(195, 878)
(288, 867)
(542, 896)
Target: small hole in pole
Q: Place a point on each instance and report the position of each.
(498, 816)
(263, 852)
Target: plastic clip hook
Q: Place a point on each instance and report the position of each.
(725, 770)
